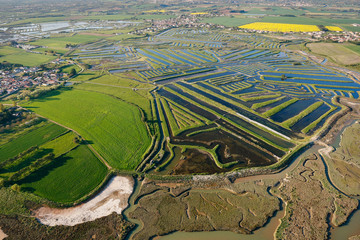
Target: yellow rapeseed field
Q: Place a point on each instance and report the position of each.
(154, 11)
(199, 13)
(334, 28)
(280, 27)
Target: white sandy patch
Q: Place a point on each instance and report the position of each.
(114, 198)
(2, 235)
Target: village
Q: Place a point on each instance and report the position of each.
(11, 81)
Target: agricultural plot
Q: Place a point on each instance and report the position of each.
(71, 170)
(283, 27)
(60, 42)
(20, 56)
(102, 120)
(43, 133)
(336, 52)
(46, 154)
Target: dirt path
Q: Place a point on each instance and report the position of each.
(2, 235)
(113, 198)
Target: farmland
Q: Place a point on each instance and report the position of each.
(70, 163)
(72, 167)
(15, 55)
(339, 53)
(280, 27)
(42, 134)
(80, 111)
(59, 43)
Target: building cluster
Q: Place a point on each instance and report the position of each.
(181, 21)
(12, 81)
(344, 37)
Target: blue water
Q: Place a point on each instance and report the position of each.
(164, 56)
(292, 110)
(272, 105)
(317, 77)
(198, 55)
(315, 82)
(305, 121)
(185, 57)
(209, 77)
(152, 57)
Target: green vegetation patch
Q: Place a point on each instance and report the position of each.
(155, 16)
(229, 21)
(62, 144)
(20, 56)
(337, 52)
(68, 177)
(112, 126)
(60, 42)
(36, 137)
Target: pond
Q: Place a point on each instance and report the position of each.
(292, 110)
(305, 121)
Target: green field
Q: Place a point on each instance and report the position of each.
(293, 20)
(353, 47)
(36, 137)
(67, 69)
(108, 17)
(69, 177)
(113, 127)
(84, 76)
(337, 52)
(121, 87)
(275, 11)
(59, 43)
(61, 144)
(229, 21)
(20, 56)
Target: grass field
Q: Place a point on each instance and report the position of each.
(122, 88)
(229, 21)
(67, 69)
(61, 144)
(69, 177)
(16, 55)
(353, 47)
(155, 16)
(293, 20)
(60, 42)
(36, 137)
(337, 52)
(113, 127)
(84, 76)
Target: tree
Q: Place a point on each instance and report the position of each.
(16, 187)
(2, 107)
(72, 72)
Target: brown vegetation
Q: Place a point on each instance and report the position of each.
(202, 206)
(312, 203)
(110, 227)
